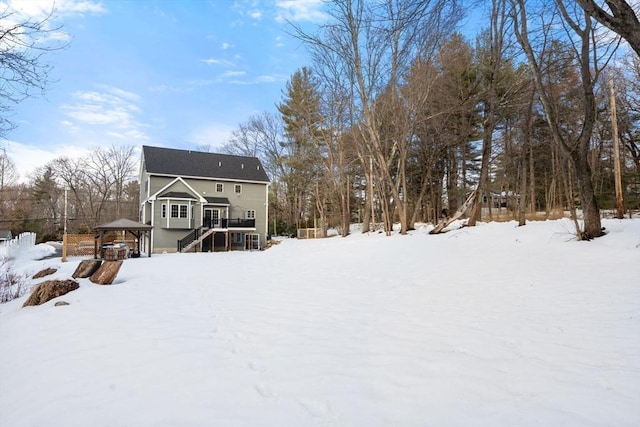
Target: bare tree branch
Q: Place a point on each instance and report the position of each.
(22, 70)
(622, 20)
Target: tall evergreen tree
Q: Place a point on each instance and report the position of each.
(302, 119)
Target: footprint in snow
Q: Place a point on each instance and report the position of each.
(256, 366)
(315, 408)
(264, 390)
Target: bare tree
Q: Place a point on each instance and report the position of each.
(260, 136)
(23, 42)
(573, 137)
(376, 43)
(8, 171)
(8, 177)
(120, 163)
(621, 19)
(495, 46)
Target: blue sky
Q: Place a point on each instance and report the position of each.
(180, 74)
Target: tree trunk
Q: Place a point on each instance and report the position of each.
(575, 148)
(522, 205)
(483, 184)
(590, 211)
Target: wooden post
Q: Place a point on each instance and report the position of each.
(616, 151)
(65, 242)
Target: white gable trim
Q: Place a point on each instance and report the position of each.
(198, 195)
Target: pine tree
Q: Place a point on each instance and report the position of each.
(302, 119)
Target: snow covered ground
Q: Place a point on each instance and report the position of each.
(488, 326)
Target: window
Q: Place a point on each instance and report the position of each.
(164, 210)
(219, 188)
(238, 189)
(178, 211)
(251, 214)
(253, 242)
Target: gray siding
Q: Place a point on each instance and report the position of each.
(167, 231)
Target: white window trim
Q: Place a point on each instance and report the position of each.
(250, 214)
(221, 186)
(235, 189)
(249, 240)
(179, 210)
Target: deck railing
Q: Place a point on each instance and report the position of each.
(238, 223)
(193, 235)
(230, 223)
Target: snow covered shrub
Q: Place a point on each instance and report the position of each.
(12, 285)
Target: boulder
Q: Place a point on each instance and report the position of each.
(49, 290)
(106, 273)
(45, 272)
(86, 268)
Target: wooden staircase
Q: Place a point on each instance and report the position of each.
(193, 238)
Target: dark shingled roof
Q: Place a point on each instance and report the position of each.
(123, 224)
(170, 161)
(218, 200)
(177, 195)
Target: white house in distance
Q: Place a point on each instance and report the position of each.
(199, 201)
(5, 237)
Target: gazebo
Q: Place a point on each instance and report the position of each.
(137, 229)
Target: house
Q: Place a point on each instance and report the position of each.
(199, 201)
(5, 237)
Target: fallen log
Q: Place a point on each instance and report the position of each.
(448, 220)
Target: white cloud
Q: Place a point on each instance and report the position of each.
(39, 9)
(232, 74)
(29, 157)
(109, 111)
(271, 78)
(214, 61)
(121, 93)
(299, 10)
(51, 12)
(248, 8)
(225, 46)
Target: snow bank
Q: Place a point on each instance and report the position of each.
(495, 325)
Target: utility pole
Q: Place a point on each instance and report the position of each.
(373, 207)
(64, 228)
(616, 151)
